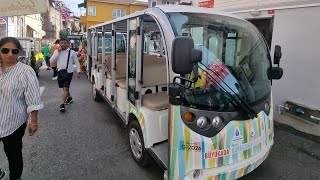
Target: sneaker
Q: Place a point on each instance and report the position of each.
(48, 68)
(54, 78)
(69, 100)
(2, 174)
(62, 108)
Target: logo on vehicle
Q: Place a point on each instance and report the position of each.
(216, 153)
(237, 137)
(190, 146)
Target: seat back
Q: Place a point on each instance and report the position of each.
(121, 59)
(121, 66)
(154, 71)
(99, 58)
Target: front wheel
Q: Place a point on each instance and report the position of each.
(95, 95)
(137, 147)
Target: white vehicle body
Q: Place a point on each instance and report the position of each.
(139, 81)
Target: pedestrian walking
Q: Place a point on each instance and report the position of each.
(54, 64)
(19, 104)
(81, 55)
(46, 54)
(66, 59)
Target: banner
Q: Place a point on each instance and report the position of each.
(22, 7)
(207, 4)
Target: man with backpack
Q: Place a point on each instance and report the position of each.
(65, 58)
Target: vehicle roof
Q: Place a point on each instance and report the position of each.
(137, 13)
(168, 9)
(194, 9)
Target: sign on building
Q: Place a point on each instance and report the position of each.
(22, 7)
(207, 3)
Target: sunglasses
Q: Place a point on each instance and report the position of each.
(13, 51)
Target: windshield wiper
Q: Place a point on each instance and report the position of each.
(244, 105)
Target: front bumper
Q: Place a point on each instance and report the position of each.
(232, 171)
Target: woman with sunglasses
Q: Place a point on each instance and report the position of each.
(19, 103)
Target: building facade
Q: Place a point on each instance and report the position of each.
(292, 25)
(99, 11)
(25, 26)
(52, 23)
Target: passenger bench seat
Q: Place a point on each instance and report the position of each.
(156, 102)
(122, 84)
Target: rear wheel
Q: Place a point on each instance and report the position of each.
(96, 96)
(137, 147)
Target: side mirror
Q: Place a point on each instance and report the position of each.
(196, 55)
(277, 54)
(184, 56)
(275, 73)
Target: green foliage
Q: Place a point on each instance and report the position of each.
(63, 33)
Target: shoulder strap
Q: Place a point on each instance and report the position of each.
(68, 59)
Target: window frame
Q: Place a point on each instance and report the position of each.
(116, 13)
(92, 11)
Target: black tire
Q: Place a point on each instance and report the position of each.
(96, 96)
(144, 158)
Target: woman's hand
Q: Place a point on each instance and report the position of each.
(32, 128)
(33, 125)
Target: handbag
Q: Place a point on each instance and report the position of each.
(63, 73)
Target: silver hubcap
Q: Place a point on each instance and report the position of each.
(135, 143)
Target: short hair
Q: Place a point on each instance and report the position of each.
(64, 39)
(57, 41)
(13, 40)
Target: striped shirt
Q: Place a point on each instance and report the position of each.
(19, 96)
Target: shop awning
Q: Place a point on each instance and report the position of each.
(19, 7)
(40, 32)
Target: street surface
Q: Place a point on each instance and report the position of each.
(89, 142)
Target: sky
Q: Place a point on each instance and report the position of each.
(73, 5)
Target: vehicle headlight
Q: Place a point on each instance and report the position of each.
(217, 121)
(202, 122)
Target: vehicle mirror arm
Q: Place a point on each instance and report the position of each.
(185, 79)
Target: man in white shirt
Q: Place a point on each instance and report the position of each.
(65, 58)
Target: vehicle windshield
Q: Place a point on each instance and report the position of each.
(234, 63)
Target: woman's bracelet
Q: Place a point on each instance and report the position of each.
(33, 124)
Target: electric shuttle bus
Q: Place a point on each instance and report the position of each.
(193, 87)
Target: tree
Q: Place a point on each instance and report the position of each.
(63, 33)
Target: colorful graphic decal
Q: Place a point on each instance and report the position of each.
(133, 110)
(235, 174)
(237, 142)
